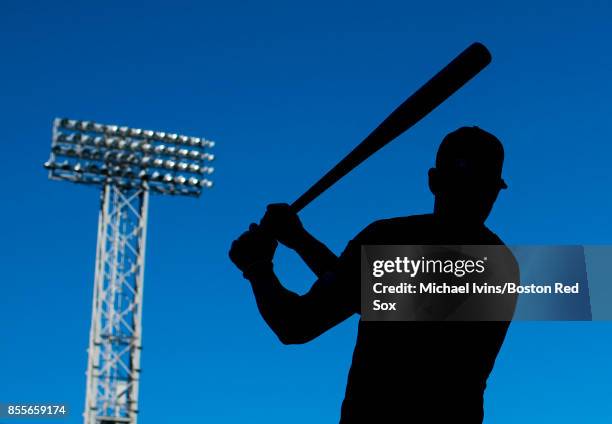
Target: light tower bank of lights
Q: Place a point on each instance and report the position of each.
(127, 164)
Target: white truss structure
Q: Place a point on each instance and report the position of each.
(115, 341)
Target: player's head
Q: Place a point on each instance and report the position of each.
(468, 175)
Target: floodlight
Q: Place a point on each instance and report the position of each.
(106, 149)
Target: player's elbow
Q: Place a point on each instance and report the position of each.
(294, 334)
(288, 340)
(293, 338)
(297, 323)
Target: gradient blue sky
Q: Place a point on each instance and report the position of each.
(286, 89)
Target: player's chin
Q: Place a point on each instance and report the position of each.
(476, 217)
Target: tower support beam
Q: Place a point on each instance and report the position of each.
(115, 340)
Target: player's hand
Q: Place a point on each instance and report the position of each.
(253, 246)
(283, 224)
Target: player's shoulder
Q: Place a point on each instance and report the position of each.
(506, 255)
(398, 230)
(383, 228)
(418, 229)
(492, 237)
(401, 221)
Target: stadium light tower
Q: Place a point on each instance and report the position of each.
(127, 164)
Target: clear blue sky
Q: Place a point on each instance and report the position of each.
(286, 89)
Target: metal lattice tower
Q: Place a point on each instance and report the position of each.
(127, 164)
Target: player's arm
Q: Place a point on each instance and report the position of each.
(293, 318)
(285, 226)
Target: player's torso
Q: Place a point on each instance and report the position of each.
(400, 369)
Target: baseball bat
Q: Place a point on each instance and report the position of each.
(435, 91)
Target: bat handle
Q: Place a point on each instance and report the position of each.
(296, 206)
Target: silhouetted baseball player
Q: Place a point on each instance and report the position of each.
(402, 372)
